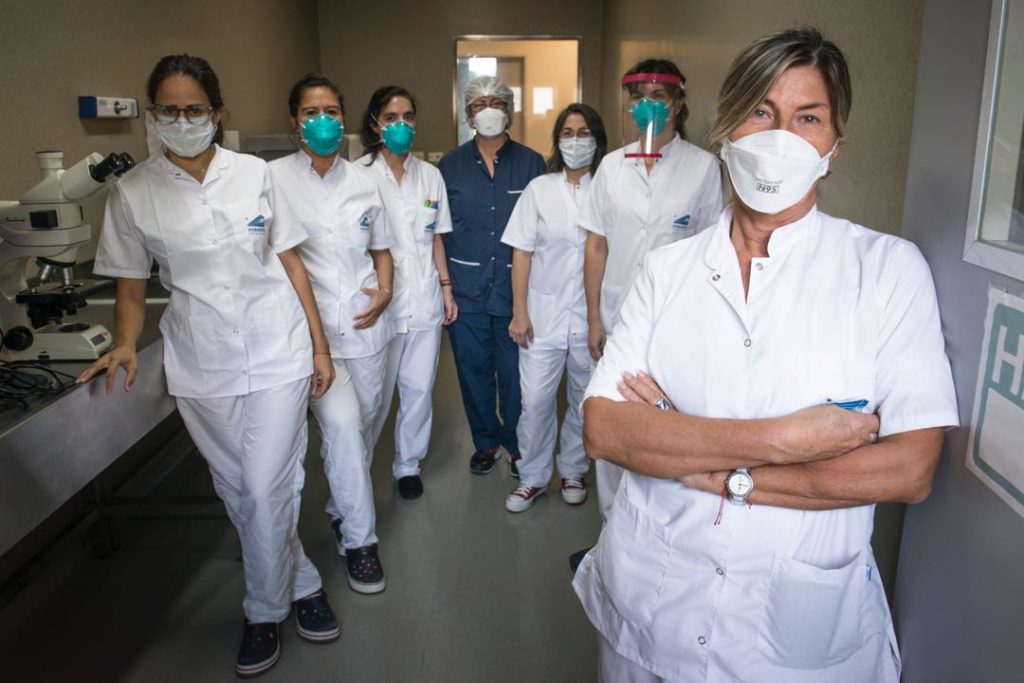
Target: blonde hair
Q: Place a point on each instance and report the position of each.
(761, 63)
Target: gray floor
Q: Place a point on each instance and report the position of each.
(474, 593)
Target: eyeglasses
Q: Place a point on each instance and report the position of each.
(479, 105)
(569, 133)
(194, 113)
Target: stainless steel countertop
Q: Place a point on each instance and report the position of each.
(58, 445)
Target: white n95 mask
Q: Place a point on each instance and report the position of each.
(490, 122)
(577, 152)
(186, 139)
(774, 169)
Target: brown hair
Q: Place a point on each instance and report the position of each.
(761, 63)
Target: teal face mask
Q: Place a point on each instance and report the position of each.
(398, 137)
(647, 111)
(322, 134)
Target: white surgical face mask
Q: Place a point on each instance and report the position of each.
(774, 169)
(186, 139)
(490, 122)
(577, 152)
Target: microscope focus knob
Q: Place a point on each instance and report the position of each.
(18, 338)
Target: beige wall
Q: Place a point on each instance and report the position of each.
(412, 43)
(879, 37)
(54, 51)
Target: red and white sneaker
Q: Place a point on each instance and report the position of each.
(574, 490)
(522, 497)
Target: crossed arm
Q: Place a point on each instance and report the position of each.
(818, 458)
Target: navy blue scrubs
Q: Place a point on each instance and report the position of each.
(480, 268)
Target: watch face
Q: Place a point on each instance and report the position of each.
(740, 484)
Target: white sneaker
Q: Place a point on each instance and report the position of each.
(522, 497)
(574, 490)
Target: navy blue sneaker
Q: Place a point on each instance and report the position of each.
(482, 462)
(260, 650)
(315, 621)
(410, 487)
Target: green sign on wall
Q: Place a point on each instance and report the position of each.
(995, 452)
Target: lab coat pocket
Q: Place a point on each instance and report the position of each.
(812, 617)
(198, 341)
(543, 315)
(431, 300)
(467, 276)
(632, 560)
(426, 223)
(249, 225)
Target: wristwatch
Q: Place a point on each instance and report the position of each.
(739, 485)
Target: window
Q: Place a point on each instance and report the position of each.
(995, 228)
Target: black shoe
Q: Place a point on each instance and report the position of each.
(260, 650)
(410, 487)
(336, 529)
(314, 619)
(513, 468)
(365, 573)
(577, 557)
(482, 462)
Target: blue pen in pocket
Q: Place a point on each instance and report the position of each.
(849, 404)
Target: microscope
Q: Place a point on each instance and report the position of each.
(47, 224)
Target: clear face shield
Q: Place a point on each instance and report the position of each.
(650, 102)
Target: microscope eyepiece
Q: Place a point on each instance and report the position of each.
(117, 164)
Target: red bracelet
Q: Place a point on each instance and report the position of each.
(445, 283)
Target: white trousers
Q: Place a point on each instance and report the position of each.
(609, 476)
(346, 463)
(369, 377)
(412, 366)
(540, 373)
(255, 445)
(614, 668)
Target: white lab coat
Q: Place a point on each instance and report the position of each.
(637, 211)
(417, 210)
(344, 216)
(771, 594)
(237, 349)
(234, 323)
(544, 222)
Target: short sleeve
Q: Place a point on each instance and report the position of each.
(380, 230)
(444, 214)
(286, 229)
(122, 248)
(521, 229)
(594, 207)
(913, 381)
(626, 349)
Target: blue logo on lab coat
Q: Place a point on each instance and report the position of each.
(682, 221)
(429, 227)
(364, 223)
(257, 225)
